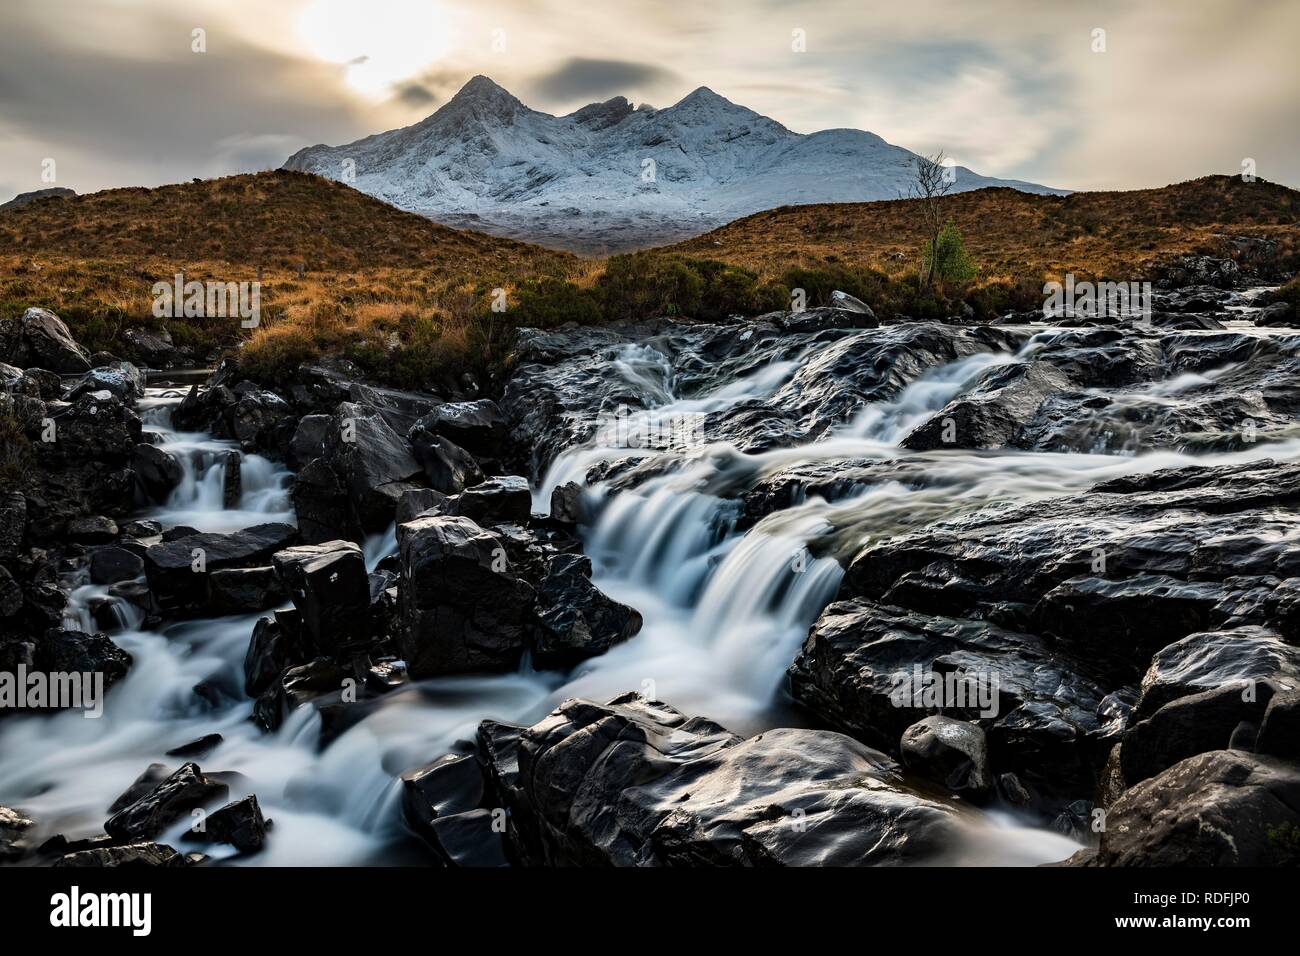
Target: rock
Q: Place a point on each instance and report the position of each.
(495, 500)
(153, 775)
(13, 524)
(47, 343)
(448, 467)
(121, 379)
(374, 463)
(1117, 573)
(461, 607)
(11, 594)
(992, 414)
(469, 839)
(92, 529)
(270, 652)
(1277, 314)
(838, 316)
(329, 586)
(129, 856)
(262, 421)
(153, 347)
(197, 748)
(951, 752)
(575, 620)
(416, 502)
(296, 687)
(64, 651)
(14, 829)
(308, 442)
(85, 469)
(111, 564)
(442, 804)
(635, 783)
(244, 590)
(158, 472)
(320, 501)
(477, 427)
(1223, 808)
(876, 669)
(847, 303)
(567, 506)
(1279, 734)
(232, 483)
(182, 792)
(1190, 725)
(239, 824)
(178, 569)
(1242, 660)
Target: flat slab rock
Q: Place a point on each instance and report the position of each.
(636, 783)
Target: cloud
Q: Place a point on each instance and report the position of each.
(585, 80)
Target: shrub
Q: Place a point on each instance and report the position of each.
(544, 302)
(952, 264)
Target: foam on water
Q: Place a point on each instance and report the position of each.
(724, 614)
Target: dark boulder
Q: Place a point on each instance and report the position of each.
(462, 608)
(120, 379)
(329, 586)
(45, 342)
(15, 828)
(92, 529)
(478, 427)
(1279, 734)
(239, 824)
(950, 752)
(448, 467)
(507, 498)
(181, 793)
(111, 564)
(575, 619)
(158, 472)
(130, 856)
(1222, 808)
(197, 748)
(243, 590)
(635, 783)
(178, 570)
(876, 669)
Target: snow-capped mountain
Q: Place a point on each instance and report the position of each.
(609, 178)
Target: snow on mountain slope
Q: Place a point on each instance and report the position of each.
(583, 182)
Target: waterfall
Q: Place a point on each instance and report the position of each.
(724, 612)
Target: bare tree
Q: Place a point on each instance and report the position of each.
(932, 182)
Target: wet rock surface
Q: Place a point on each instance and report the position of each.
(635, 783)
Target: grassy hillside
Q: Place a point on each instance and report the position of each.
(410, 300)
(393, 290)
(1118, 235)
(277, 219)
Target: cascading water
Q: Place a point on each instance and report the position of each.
(724, 613)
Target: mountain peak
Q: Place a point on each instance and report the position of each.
(484, 96)
(598, 116)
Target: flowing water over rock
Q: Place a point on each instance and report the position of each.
(729, 546)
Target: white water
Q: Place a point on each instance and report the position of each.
(724, 615)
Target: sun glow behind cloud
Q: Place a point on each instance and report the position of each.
(382, 43)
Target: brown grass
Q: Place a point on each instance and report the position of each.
(409, 299)
(1015, 235)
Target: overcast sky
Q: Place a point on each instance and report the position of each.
(114, 93)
